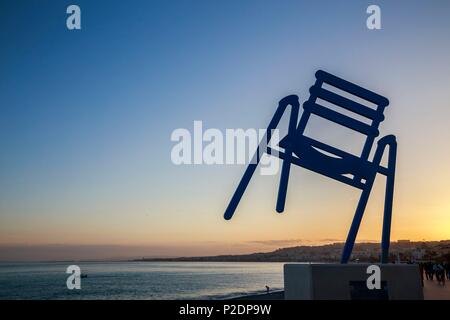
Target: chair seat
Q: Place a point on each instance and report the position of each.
(321, 158)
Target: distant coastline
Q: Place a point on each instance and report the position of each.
(402, 250)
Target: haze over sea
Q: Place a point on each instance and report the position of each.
(139, 280)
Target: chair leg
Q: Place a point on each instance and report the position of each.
(284, 179)
(285, 169)
(282, 105)
(240, 190)
(350, 242)
(386, 236)
(388, 201)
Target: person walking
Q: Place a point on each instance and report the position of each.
(439, 271)
(447, 270)
(421, 270)
(429, 271)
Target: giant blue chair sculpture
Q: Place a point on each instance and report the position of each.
(356, 171)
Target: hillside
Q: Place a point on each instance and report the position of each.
(404, 250)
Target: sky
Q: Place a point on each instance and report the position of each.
(86, 118)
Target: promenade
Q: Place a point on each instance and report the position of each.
(433, 291)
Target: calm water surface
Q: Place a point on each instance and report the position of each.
(139, 280)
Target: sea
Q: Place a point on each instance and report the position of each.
(139, 280)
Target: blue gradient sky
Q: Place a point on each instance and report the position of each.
(86, 118)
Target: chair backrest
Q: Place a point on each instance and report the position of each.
(319, 91)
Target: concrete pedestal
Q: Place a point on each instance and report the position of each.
(349, 282)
